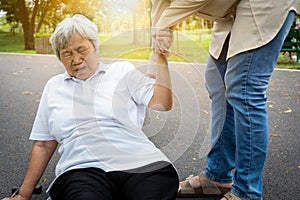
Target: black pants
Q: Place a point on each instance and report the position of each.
(95, 184)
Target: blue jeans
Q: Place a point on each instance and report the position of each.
(239, 126)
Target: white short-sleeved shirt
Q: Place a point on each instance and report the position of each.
(98, 122)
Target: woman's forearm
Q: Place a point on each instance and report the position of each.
(41, 154)
(162, 99)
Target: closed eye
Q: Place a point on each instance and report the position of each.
(66, 54)
(82, 49)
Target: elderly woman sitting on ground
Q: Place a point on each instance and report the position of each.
(94, 112)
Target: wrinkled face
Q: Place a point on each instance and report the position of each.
(79, 57)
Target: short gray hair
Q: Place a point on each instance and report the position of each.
(66, 29)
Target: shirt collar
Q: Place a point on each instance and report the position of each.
(101, 68)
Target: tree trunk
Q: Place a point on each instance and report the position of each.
(28, 27)
(29, 38)
(39, 25)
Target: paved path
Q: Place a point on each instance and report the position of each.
(181, 133)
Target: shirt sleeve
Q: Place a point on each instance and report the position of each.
(158, 7)
(178, 10)
(40, 130)
(139, 85)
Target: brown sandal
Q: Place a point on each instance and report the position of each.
(207, 188)
(230, 196)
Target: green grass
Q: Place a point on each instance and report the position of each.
(192, 47)
(12, 43)
(288, 66)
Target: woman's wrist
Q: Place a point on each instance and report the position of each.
(23, 194)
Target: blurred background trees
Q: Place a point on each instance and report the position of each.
(41, 16)
(38, 17)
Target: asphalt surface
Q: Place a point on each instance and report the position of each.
(181, 133)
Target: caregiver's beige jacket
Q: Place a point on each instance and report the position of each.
(252, 23)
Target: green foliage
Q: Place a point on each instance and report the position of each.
(284, 62)
(5, 27)
(10, 6)
(39, 35)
